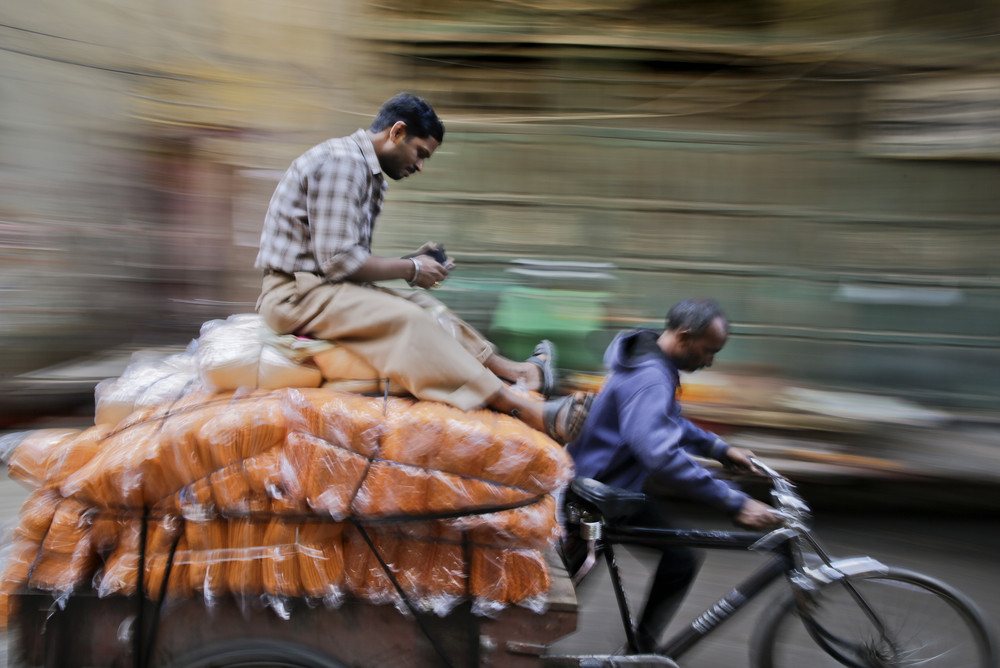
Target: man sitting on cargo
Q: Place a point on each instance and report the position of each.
(320, 278)
(635, 432)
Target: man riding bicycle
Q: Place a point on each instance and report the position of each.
(635, 432)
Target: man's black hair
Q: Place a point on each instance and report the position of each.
(695, 315)
(419, 116)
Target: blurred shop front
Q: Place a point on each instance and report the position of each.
(826, 171)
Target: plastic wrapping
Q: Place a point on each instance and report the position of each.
(147, 381)
(235, 353)
(239, 353)
(293, 493)
(32, 453)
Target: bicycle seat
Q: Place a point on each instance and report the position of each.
(613, 503)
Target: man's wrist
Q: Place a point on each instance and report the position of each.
(416, 272)
(718, 449)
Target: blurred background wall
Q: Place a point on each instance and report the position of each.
(826, 170)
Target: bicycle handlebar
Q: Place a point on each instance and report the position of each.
(787, 501)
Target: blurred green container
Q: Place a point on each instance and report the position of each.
(574, 320)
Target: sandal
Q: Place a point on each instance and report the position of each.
(544, 357)
(564, 417)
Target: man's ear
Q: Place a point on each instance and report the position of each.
(397, 132)
(684, 338)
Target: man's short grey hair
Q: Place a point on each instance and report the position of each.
(695, 315)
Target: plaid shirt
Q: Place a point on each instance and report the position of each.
(322, 214)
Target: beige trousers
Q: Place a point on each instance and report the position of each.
(410, 337)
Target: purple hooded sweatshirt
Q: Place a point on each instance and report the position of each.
(635, 429)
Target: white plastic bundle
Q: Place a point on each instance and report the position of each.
(238, 353)
(147, 381)
(233, 354)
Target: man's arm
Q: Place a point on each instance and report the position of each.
(656, 435)
(420, 270)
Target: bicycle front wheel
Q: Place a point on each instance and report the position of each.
(892, 618)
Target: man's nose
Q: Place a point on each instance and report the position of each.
(419, 165)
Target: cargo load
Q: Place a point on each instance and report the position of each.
(273, 494)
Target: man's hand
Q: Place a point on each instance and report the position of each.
(431, 271)
(756, 515)
(739, 459)
(435, 250)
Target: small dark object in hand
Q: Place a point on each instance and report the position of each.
(438, 254)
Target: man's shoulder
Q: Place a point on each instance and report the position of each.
(333, 149)
(638, 378)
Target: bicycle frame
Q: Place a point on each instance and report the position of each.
(781, 563)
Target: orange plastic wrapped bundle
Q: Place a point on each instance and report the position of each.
(320, 557)
(475, 446)
(427, 433)
(347, 420)
(524, 458)
(398, 480)
(36, 514)
(445, 576)
(194, 499)
(29, 458)
(107, 530)
(76, 453)
(179, 582)
(279, 565)
(114, 478)
(508, 566)
(66, 559)
(180, 458)
(161, 539)
(121, 568)
(206, 556)
(247, 426)
(437, 459)
(17, 566)
(534, 525)
(393, 489)
(501, 576)
(452, 493)
(323, 475)
(231, 490)
(272, 485)
(430, 565)
(206, 536)
(243, 556)
(411, 550)
(366, 578)
(271, 490)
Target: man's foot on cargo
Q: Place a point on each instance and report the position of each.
(564, 417)
(543, 358)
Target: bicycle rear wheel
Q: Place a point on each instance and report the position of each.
(915, 620)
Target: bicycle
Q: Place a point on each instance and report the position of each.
(854, 612)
